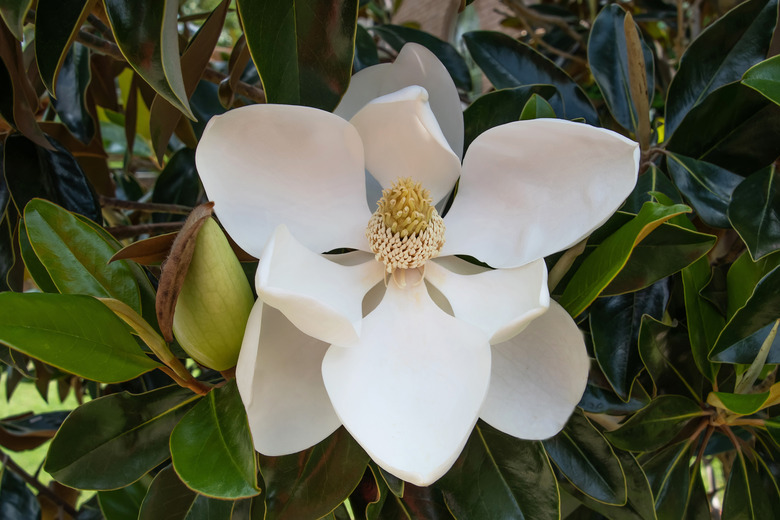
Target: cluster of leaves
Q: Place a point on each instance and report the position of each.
(678, 293)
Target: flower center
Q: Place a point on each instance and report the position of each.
(405, 230)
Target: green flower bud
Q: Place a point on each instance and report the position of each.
(214, 303)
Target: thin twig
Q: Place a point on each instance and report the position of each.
(142, 229)
(98, 24)
(525, 12)
(151, 207)
(43, 490)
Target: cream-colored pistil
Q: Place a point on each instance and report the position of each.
(406, 230)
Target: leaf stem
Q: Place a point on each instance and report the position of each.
(152, 207)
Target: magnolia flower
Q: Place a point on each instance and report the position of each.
(401, 341)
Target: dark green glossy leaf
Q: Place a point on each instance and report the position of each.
(14, 13)
(755, 212)
(303, 50)
(652, 181)
(56, 25)
(720, 55)
(71, 100)
(32, 171)
(608, 62)
(669, 475)
(146, 32)
(669, 362)
(313, 482)
(656, 424)
(499, 476)
(537, 108)
(366, 53)
(77, 334)
(706, 186)
(741, 339)
(588, 461)
(747, 496)
(704, 320)
(667, 249)
(639, 505)
(34, 266)
(500, 107)
(765, 78)
(598, 399)
(11, 276)
(418, 503)
(113, 441)
(16, 501)
(124, 503)
(75, 257)
(215, 434)
(509, 63)
(734, 127)
(170, 499)
(742, 278)
(614, 323)
(164, 117)
(397, 36)
(742, 404)
(178, 184)
(601, 266)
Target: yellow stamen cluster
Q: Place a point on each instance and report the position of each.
(405, 231)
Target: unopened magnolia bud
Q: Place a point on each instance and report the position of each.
(214, 303)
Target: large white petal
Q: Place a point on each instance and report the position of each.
(415, 65)
(501, 302)
(531, 188)
(264, 165)
(538, 377)
(401, 138)
(279, 376)
(410, 390)
(322, 298)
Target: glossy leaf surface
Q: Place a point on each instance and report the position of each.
(32, 171)
(71, 102)
(113, 441)
(755, 212)
(656, 424)
(76, 257)
(16, 501)
(720, 55)
(77, 334)
(765, 78)
(706, 186)
(303, 50)
(498, 476)
(147, 35)
(601, 266)
(609, 64)
(500, 107)
(615, 323)
(215, 434)
(313, 482)
(56, 24)
(509, 63)
(587, 460)
(704, 320)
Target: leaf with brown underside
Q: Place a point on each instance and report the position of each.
(147, 252)
(174, 269)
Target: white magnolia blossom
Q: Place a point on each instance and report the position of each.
(407, 361)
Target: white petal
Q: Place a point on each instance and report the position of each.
(401, 138)
(501, 302)
(410, 390)
(279, 377)
(538, 377)
(531, 188)
(265, 165)
(322, 298)
(415, 65)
